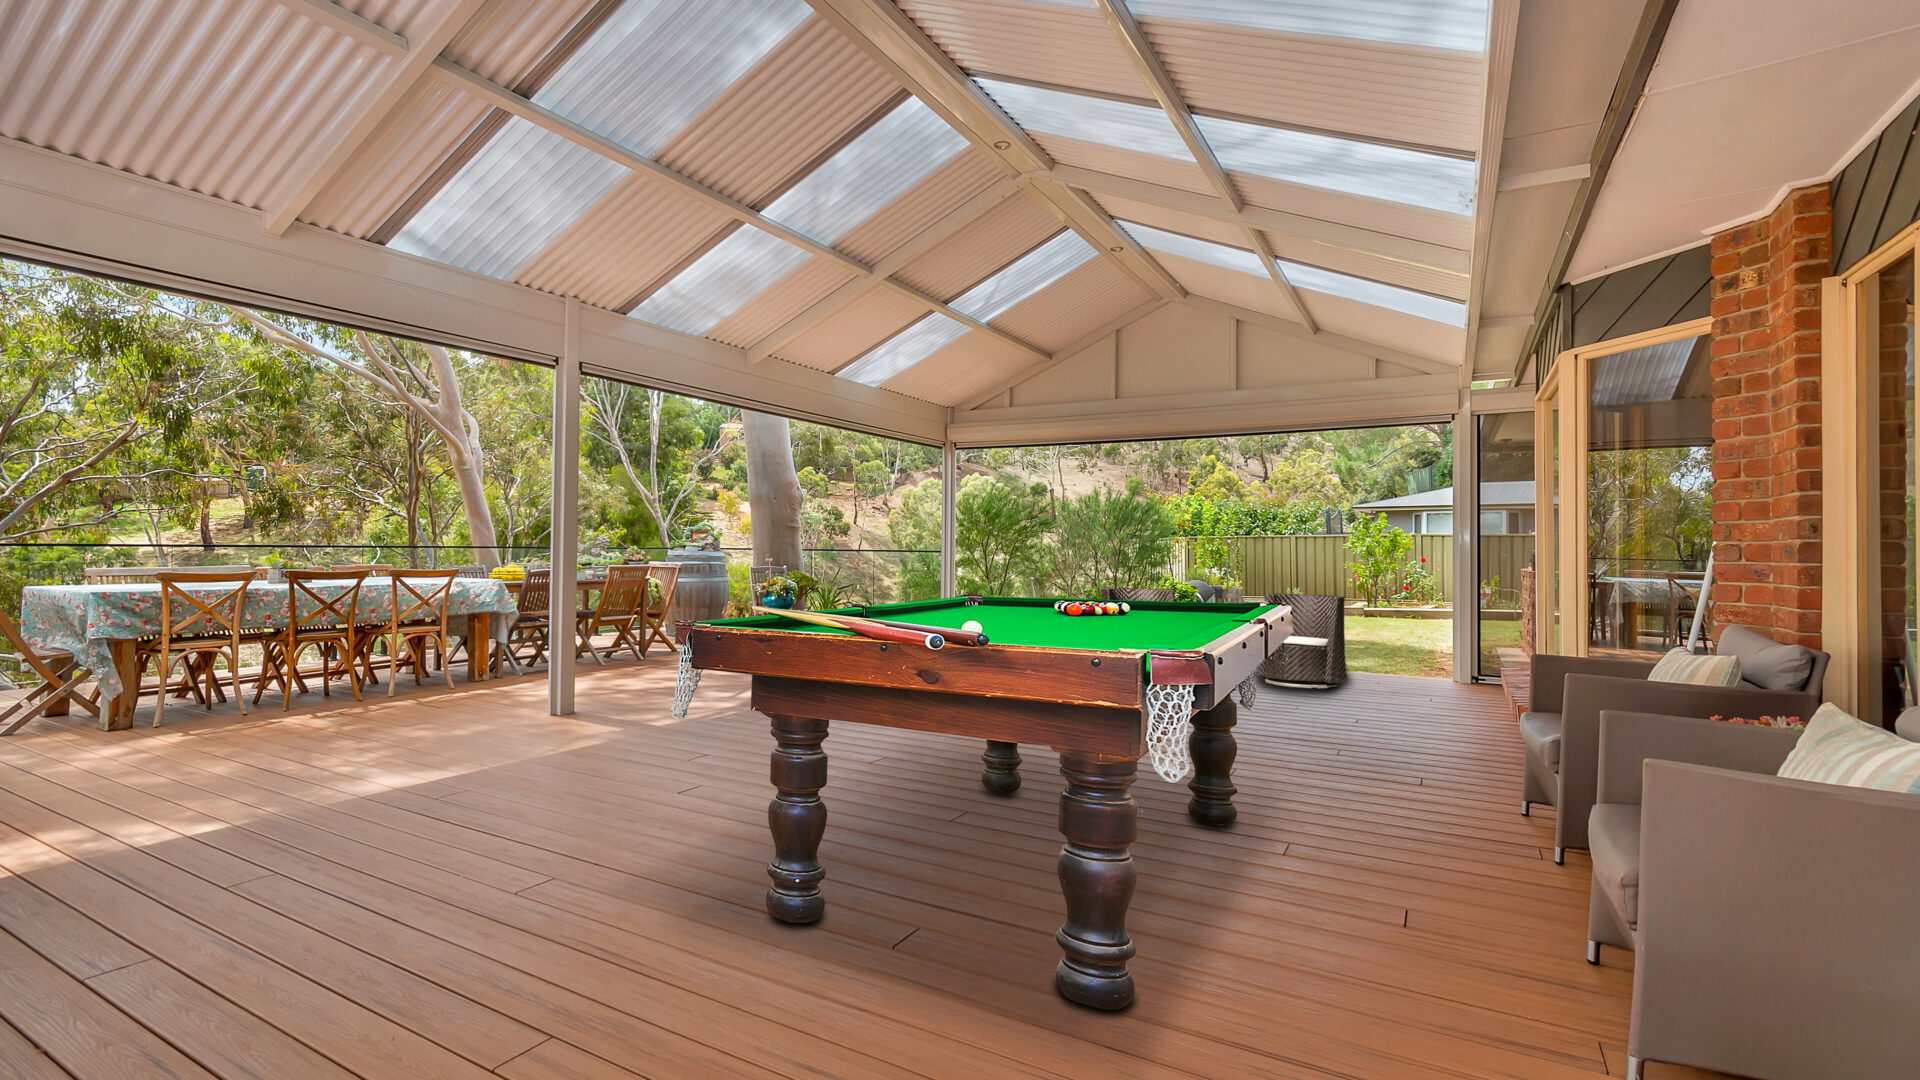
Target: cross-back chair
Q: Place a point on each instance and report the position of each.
(420, 600)
(623, 606)
(530, 620)
(331, 624)
(653, 625)
(59, 681)
(199, 630)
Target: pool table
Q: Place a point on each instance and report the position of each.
(1077, 684)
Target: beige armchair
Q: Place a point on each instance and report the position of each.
(1772, 920)
(1561, 727)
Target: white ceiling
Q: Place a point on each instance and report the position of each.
(1748, 99)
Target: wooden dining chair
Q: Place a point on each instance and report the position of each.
(372, 569)
(419, 619)
(530, 620)
(198, 632)
(623, 606)
(330, 624)
(653, 625)
(59, 680)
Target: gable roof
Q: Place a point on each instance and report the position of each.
(1494, 494)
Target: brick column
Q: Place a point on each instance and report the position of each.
(1766, 417)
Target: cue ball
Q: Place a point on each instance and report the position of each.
(972, 626)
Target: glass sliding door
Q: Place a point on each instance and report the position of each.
(1886, 349)
(1505, 467)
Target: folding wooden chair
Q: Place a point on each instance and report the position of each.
(201, 631)
(59, 681)
(330, 625)
(623, 604)
(654, 623)
(419, 617)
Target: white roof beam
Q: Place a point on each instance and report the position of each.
(838, 300)
(1497, 71)
(1331, 233)
(397, 77)
(1121, 21)
(501, 97)
(358, 27)
(893, 40)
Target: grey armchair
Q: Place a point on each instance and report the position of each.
(1772, 920)
(1561, 727)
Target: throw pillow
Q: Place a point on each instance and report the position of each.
(1684, 667)
(1767, 663)
(1838, 749)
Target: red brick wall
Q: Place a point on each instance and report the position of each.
(1766, 417)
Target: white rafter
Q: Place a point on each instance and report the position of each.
(358, 27)
(500, 97)
(1502, 32)
(379, 98)
(1121, 21)
(926, 240)
(917, 63)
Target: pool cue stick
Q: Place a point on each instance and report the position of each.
(871, 628)
(952, 636)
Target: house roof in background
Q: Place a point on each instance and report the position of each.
(1494, 495)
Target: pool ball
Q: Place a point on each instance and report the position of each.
(972, 626)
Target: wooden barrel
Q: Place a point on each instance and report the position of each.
(702, 590)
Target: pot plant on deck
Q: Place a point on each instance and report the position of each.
(778, 592)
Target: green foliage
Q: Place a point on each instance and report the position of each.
(1214, 481)
(1001, 526)
(915, 524)
(740, 598)
(813, 482)
(871, 480)
(1106, 538)
(823, 525)
(1196, 515)
(1379, 553)
(1181, 590)
(1417, 585)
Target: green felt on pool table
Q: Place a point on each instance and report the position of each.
(1028, 621)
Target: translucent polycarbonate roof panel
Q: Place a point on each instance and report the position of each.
(1027, 275)
(1435, 24)
(720, 282)
(1391, 297)
(1311, 278)
(1392, 173)
(655, 64)
(1231, 258)
(522, 189)
(878, 166)
(905, 349)
(1119, 124)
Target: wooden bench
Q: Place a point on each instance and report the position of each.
(1514, 682)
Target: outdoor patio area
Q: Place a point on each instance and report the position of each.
(456, 882)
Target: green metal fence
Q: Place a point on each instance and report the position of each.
(1317, 565)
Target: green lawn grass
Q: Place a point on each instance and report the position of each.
(1415, 646)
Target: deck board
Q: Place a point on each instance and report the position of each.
(452, 883)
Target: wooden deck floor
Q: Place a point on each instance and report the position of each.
(453, 884)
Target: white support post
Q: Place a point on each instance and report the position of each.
(566, 518)
(1466, 543)
(949, 519)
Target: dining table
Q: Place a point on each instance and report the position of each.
(102, 625)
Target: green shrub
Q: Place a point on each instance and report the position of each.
(1106, 538)
(1379, 555)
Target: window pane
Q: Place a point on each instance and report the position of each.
(1888, 348)
(1505, 466)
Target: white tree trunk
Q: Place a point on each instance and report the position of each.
(773, 490)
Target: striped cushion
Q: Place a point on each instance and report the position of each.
(1838, 749)
(1685, 667)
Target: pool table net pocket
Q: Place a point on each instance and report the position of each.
(1169, 725)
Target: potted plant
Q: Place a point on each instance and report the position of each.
(778, 592)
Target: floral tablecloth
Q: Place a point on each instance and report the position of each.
(86, 619)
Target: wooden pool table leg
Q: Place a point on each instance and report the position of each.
(1002, 760)
(1213, 749)
(798, 819)
(1100, 820)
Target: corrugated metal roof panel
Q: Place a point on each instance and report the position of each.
(403, 17)
(508, 37)
(795, 103)
(1083, 301)
(876, 316)
(627, 241)
(905, 349)
(1437, 24)
(1025, 276)
(790, 296)
(943, 190)
(424, 126)
(1235, 257)
(1173, 220)
(654, 65)
(881, 164)
(1131, 164)
(1118, 124)
(1385, 91)
(961, 369)
(720, 282)
(1227, 284)
(990, 242)
(1060, 44)
(1348, 166)
(518, 193)
(1399, 219)
(222, 96)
